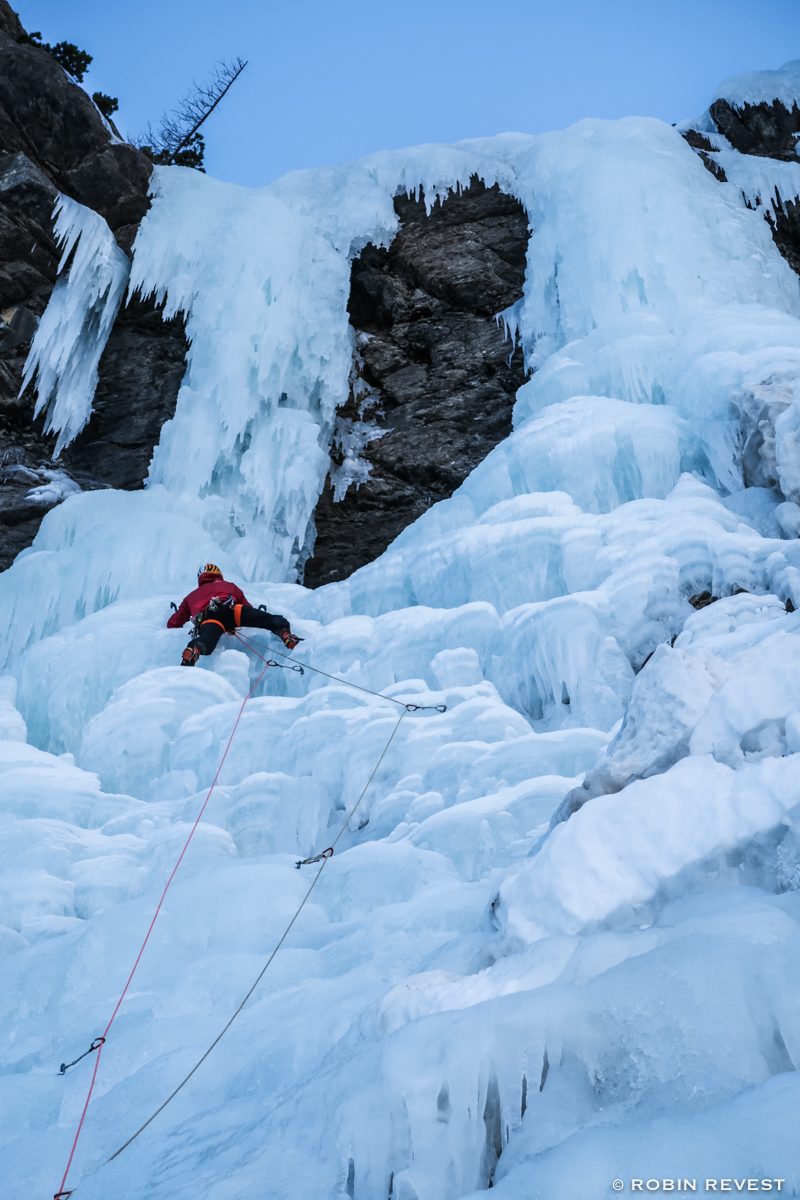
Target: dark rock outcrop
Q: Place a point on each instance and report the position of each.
(139, 375)
(704, 148)
(441, 376)
(766, 130)
(51, 120)
(53, 139)
(784, 222)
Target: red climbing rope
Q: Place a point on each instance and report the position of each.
(322, 858)
(61, 1194)
(325, 857)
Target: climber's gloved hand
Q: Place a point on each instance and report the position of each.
(289, 639)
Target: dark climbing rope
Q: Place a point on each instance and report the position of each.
(98, 1043)
(440, 708)
(325, 857)
(220, 1035)
(246, 642)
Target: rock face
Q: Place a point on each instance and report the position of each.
(435, 378)
(704, 148)
(53, 139)
(765, 131)
(140, 374)
(768, 131)
(786, 230)
(438, 375)
(51, 120)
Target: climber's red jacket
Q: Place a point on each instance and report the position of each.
(208, 587)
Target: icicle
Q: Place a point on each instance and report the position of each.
(73, 332)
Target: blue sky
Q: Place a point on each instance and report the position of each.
(327, 82)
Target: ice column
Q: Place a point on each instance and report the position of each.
(265, 298)
(73, 332)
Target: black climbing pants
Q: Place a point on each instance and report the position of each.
(223, 620)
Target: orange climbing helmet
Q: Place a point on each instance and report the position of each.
(208, 569)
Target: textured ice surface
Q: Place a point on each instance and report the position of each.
(474, 993)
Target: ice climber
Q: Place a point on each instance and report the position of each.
(218, 607)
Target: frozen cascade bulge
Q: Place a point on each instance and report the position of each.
(489, 984)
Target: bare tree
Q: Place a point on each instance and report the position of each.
(178, 141)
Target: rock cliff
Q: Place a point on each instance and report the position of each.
(53, 139)
(437, 372)
(435, 376)
(765, 131)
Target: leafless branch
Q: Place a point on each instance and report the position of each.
(176, 129)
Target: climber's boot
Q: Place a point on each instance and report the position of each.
(288, 638)
(190, 655)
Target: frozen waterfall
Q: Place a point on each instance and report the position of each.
(474, 995)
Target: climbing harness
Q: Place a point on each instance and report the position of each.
(322, 859)
(219, 611)
(96, 1044)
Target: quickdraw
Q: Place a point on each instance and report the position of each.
(440, 708)
(96, 1044)
(284, 667)
(306, 862)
